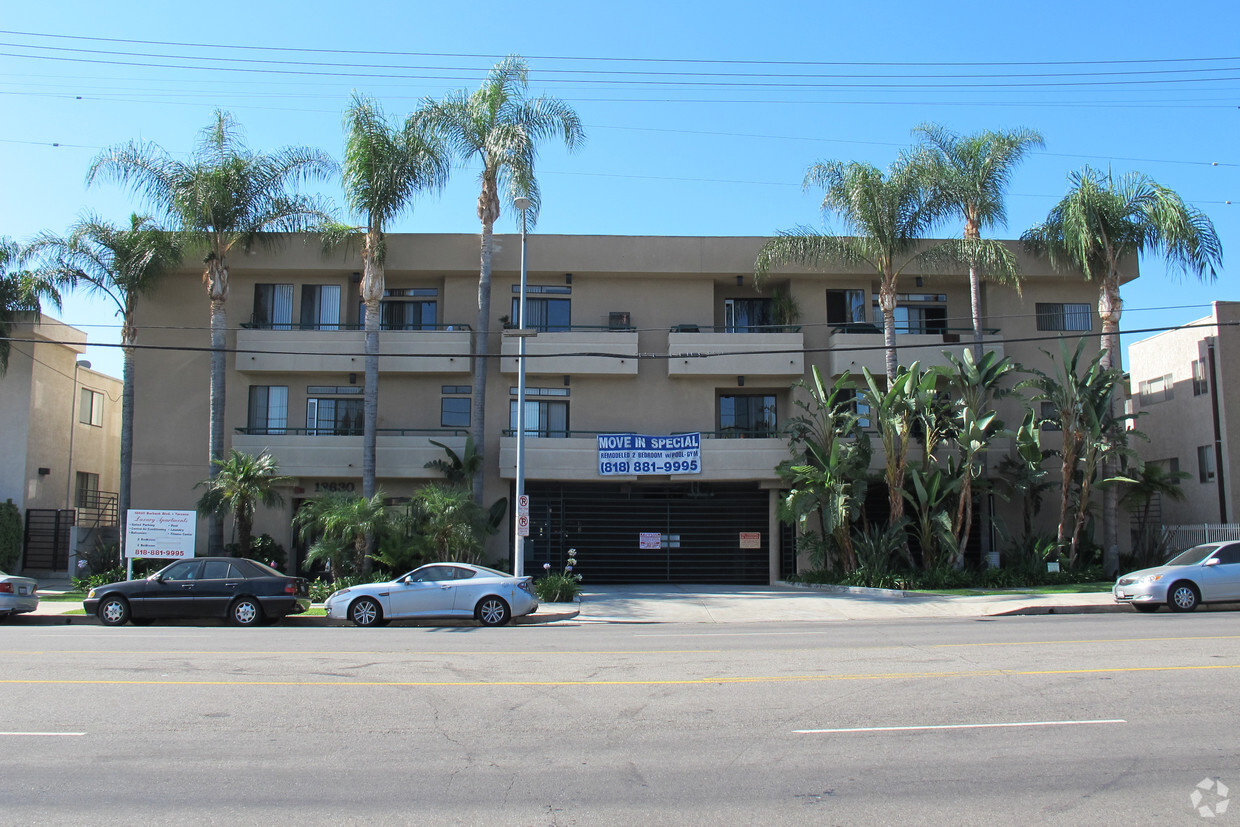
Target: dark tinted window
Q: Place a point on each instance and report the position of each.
(1228, 555)
(434, 573)
(183, 571)
(462, 574)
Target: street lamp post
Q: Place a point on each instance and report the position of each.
(518, 540)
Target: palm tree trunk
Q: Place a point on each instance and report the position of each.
(482, 342)
(219, 332)
(1110, 307)
(127, 394)
(1065, 487)
(887, 301)
(372, 295)
(975, 303)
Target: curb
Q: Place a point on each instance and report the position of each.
(55, 619)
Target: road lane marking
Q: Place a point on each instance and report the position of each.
(44, 734)
(247, 652)
(1099, 640)
(956, 726)
(981, 673)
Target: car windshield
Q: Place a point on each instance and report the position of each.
(1193, 556)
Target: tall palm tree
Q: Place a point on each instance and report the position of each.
(225, 197)
(121, 264)
(973, 173)
(242, 483)
(20, 295)
(384, 168)
(499, 127)
(1102, 222)
(890, 215)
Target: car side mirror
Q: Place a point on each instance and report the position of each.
(1213, 561)
(407, 580)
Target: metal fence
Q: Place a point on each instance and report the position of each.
(1178, 537)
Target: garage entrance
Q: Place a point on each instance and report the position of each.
(698, 528)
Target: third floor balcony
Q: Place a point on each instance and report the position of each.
(770, 350)
(341, 349)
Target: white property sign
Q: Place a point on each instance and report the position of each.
(623, 454)
(167, 534)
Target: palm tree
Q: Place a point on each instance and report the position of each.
(500, 127)
(973, 173)
(20, 295)
(242, 483)
(384, 168)
(341, 521)
(1101, 223)
(890, 215)
(121, 264)
(225, 197)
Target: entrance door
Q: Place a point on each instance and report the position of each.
(47, 538)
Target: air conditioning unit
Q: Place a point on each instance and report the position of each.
(618, 320)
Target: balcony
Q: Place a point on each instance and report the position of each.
(574, 456)
(856, 346)
(578, 351)
(445, 349)
(775, 351)
(399, 453)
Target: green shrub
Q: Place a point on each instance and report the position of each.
(559, 587)
(10, 536)
(320, 590)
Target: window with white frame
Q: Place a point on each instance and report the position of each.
(1064, 317)
(407, 308)
(454, 406)
(544, 417)
(90, 407)
(1205, 463)
(1201, 385)
(917, 312)
(845, 307)
(273, 306)
(747, 415)
(1158, 389)
(748, 315)
(320, 307)
(334, 410)
(545, 311)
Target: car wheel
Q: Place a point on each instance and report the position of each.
(1183, 597)
(142, 621)
(113, 611)
(491, 611)
(245, 611)
(366, 611)
(1145, 608)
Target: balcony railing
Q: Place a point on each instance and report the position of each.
(342, 327)
(754, 328)
(351, 431)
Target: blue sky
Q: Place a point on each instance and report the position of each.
(702, 117)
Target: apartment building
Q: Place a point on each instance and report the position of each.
(60, 443)
(1183, 384)
(644, 337)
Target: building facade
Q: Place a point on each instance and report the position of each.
(1184, 386)
(638, 336)
(60, 444)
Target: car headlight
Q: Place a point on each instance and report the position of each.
(1147, 579)
(336, 594)
(90, 594)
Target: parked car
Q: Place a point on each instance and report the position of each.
(438, 590)
(1208, 573)
(17, 595)
(244, 592)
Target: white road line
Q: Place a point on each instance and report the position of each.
(956, 726)
(46, 734)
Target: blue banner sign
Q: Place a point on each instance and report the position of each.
(635, 454)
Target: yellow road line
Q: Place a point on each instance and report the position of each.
(1099, 640)
(981, 673)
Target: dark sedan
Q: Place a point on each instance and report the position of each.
(243, 592)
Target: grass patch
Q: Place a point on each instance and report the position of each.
(66, 597)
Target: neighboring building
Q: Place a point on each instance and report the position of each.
(59, 462)
(637, 335)
(1185, 383)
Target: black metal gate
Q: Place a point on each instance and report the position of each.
(697, 528)
(48, 535)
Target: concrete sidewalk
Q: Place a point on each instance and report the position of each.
(666, 603)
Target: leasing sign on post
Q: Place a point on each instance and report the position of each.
(625, 454)
(168, 534)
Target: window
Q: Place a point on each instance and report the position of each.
(1171, 467)
(1159, 389)
(409, 308)
(748, 316)
(320, 307)
(1049, 416)
(1201, 385)
(331, 416)
(90, 411)
(747, 416)
(845, 307)
(1228, 555)
(544, 314)
(87, 490)
(273, 306)
(918, 312)
(220, 570)
(543, 417)
(1205, 463)
(856, 401)
(454, 410)
(268, 413)
(1064, 317)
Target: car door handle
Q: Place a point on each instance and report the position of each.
(446, 587)
(187, 585)
(230, 585)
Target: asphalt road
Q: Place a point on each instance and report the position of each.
(1020, 720)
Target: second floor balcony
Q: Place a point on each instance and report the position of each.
(438, 349)
(302, 452)
(579, 350)
(773, 351)
(856, 346)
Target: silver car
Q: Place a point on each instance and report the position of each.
(1208, 573)
(438, 590)
(17, 595)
